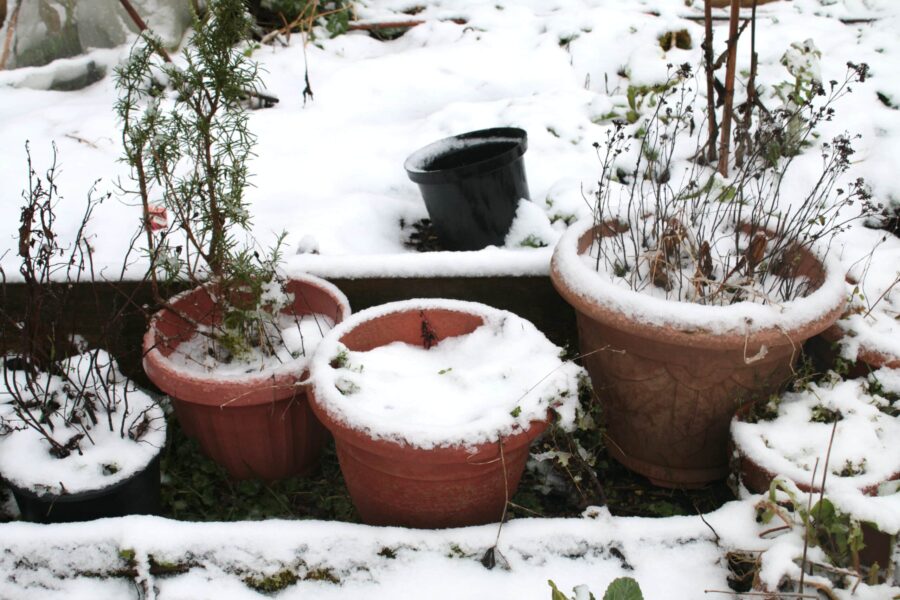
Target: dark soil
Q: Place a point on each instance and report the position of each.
(420, 236)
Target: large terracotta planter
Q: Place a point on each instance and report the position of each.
(396, 483)
(670, 374)
(255, 425)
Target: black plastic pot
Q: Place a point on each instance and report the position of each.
(137, 495)
(471, 184)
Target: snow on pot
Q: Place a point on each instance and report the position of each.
(789, 433)
(791, 437)
(79, 443)
(672, 373)
(866, 334)
(433, 405)
(472, 184)
(250, 416)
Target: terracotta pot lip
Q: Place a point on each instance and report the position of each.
(875, 358)
(286, 374)
(870, 489)
(325, 400)
(686, 322)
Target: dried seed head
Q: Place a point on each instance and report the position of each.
(756, 250)
(659, 274)
(704, 261)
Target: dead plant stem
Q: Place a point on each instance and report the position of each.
(710, 84)
(730, 71)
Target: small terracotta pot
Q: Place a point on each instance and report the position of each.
(255, 426)
(395, 483)
(669, 391)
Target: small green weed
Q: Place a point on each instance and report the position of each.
(195, 488)
(623, 588)
(270, 584)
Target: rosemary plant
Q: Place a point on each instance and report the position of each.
(187, 141)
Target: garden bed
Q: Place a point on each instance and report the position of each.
(328, 170)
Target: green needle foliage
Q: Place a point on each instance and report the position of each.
(186, 138)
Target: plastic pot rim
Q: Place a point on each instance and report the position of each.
(86, 494)
(417, 161)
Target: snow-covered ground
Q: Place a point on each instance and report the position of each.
(330, 172)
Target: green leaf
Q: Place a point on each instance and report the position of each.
(623, 588)
(823, 511)
(555, 594)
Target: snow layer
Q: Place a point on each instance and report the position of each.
(332, 169)
(671, 558)
(678, 557)
(464, 390)
(741, 318)
(866, 447)
(297, 338)
(107, 454)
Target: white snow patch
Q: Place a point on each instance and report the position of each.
(465, 390)
(107, 455)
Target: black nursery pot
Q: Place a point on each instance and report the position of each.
(471, 184)
(137, 495)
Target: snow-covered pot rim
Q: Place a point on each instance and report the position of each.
(76, 490)
(217, 389)
(759, 463)
(727, 327)
(326, 401)
(85, 495)
(869, 356)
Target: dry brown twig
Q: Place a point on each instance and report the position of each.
(730, 72)
(10, 32)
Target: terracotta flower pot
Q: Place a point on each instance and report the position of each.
(396, 483)
(257, 425)
(671, 374)
(756, 464)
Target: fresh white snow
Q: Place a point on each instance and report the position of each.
(295, 341)
(330, 172)
(464, 390)
(107, 454)
(866, 447)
